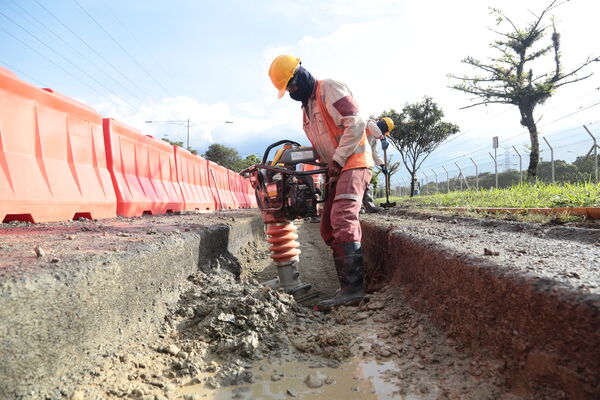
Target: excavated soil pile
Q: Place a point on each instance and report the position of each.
(219, 327)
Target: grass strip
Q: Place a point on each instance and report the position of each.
(526, 195)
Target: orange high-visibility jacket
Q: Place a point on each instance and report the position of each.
(333, 126)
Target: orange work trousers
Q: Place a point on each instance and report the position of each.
(339, 219)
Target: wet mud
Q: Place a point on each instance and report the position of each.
(230, 338)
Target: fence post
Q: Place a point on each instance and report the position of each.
(496, 168)
(426, 182)
(447, 180)
(520, 166)
(476, 174)
(551, 157)
(407, 183)
(595, 148)
(437, 190)
(463, 176)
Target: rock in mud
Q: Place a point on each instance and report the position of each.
(276, 376)
(39, 252)
(313, 381)
(77, 395)
(488, 252)
(361, 316)
(172, 350)
(211, 383)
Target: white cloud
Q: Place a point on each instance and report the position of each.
(401, 57)
(207, 121)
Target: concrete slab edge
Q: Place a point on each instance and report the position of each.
(545, 335)
(58, 324)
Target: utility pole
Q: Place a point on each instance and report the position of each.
(186, 122)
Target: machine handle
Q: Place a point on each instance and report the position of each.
(268, 150)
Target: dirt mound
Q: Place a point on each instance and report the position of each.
(237, 318)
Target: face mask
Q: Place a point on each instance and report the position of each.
(303, 82)
(382, 126)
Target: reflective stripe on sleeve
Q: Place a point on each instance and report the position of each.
(349, 196)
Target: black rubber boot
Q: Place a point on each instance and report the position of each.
(348, 260)
(369, 203)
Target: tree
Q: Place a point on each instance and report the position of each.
(248, 161)
(392, 168)
(229, 158)
(508, 78)
(223, 155)
(178, 143)
(418, 131)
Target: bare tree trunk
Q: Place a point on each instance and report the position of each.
(412, 183)
(528, 122)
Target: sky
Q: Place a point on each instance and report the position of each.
(208, 61)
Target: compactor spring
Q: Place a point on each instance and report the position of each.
(282, 237)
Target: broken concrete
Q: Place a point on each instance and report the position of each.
(98, 285)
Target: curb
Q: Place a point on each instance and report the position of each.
(589, 212)
(543, 334)
(58, 322)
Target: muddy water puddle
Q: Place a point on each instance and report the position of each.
(355, 379)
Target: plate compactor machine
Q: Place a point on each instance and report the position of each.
(288, 188)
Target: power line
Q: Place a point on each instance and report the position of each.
(67, 60)
(22, 73)
(124, 26)
(497, 129)
(74, 49)
(122, 48)
(93, 50)
(51, 61)
(505, 140)
(582, 108)
(473, 127)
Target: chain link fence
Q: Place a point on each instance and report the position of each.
(568, 156)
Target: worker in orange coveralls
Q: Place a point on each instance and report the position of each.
(377, 130)
(337, 133)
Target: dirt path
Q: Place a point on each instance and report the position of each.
(235, 339)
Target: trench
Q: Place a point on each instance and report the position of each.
(215, 333)
(382, 349)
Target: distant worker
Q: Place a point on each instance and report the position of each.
(416, 186)
(377, 130)
(337, 133)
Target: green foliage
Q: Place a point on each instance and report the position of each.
(508, 77)
(229, 157)
(178, 143)
(247, 162)
(392, 167)
(527, 195)
(418, 130)
(222, 155)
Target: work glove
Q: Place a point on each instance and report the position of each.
(383, 169)
(384, 144)
(334, 170)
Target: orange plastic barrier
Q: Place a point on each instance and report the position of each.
(236, 185)
(247, 195)
(250, 192)
(52, 160)
(219, 183)
(143, 171)
(192, 174)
